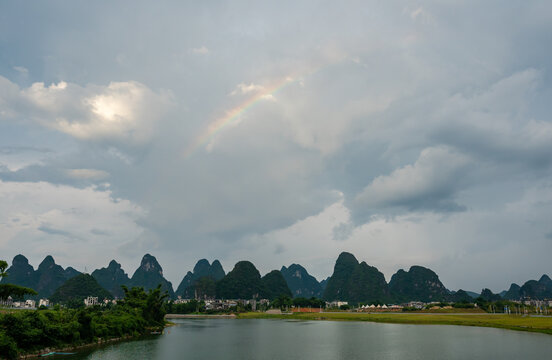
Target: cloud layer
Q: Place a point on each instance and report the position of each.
(406, 134)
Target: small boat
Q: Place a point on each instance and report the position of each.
(52, 353)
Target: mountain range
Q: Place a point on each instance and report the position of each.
(45, 279)
(352, 281)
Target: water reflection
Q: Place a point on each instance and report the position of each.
(276, 339)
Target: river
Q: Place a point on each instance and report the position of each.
(284, 339)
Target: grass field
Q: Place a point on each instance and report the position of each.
(511, 322)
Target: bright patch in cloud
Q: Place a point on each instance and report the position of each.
(200, 51)
(87, 174)
(120, 111)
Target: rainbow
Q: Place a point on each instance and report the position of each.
(233, 115)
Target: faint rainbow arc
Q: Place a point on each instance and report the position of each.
(231, 115)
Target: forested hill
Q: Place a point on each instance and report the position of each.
(78, 288)
(150, 274)
(356, 282)
(300, 282)
(112, 278)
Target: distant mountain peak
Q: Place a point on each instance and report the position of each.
(355, 282)
(150, 274)
(346, 256)
(113, 265)
(417, 284)
(150, 264)
(47, 262)
(300, 282)
(20, 260)
(202, 267)
(112, 278)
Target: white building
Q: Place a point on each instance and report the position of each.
(30, 304)
(338, 303)
(7, 303)
(91, 301)
(43, 302)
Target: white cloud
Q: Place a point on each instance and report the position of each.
(120, 111)
(454, 245)
(75, 225)
(430, 182)
(243, 88)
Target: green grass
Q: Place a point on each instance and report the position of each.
(511, 322)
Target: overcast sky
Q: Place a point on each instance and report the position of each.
(407, 133)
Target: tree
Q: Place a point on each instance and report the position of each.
(3, 267)
(282, 302)
(15, 291)
(151, 304)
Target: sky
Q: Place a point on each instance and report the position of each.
(407, 133)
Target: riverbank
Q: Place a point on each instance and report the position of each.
(77, 348)
(509, 322)
(200, 316)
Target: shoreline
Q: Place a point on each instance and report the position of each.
(507, 322)
(200, 316)
(76, 348)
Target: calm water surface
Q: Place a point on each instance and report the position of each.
(289, 340)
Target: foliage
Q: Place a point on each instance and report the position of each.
(15, 291)
(243, 282)
(186, 308)
(282, 302)
(204, 287)
(78, 289)
(312, 302)
(463, 305)
(25, 331)
(151, 304)
(275, 285)
(3, 267)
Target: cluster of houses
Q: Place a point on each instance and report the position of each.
(25, 304)
(225, 305)
(32, 304)
(93, 301)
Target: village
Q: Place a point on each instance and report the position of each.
(229, 305)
